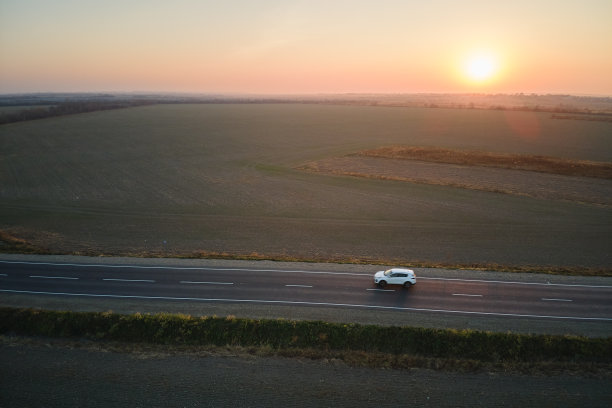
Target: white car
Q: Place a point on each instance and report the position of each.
(395, 276)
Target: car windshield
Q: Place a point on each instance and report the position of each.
(388, 272)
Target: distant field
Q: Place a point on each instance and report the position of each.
(527, 175)
(541, 185)
(12, 109)
(222, 179)
(544, 164)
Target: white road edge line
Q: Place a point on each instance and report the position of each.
(186, 268)
(296, 271)
(299, 286)
(52, 277)
(557, 300)
(129, 280)
(381, 290)
(466, 294)
(287, 302)
(207, 283)
(519, 283)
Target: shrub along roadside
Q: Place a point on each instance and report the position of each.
(284, 335)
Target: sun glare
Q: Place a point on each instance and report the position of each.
(480, 68)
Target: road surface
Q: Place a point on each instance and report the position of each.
(314, 286)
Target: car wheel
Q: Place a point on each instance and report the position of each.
(407, 284)
(382, 284)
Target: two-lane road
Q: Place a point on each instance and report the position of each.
(313, 288)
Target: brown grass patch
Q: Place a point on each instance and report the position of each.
(544, 164)
(592, 118)
(11, 243)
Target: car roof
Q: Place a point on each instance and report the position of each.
(402, 270)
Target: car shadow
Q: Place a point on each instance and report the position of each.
(391, 295)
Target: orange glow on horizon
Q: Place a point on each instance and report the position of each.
(314, 46)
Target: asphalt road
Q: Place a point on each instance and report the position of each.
(342, 288)
(67, 374)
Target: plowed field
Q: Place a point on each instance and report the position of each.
(201, 179)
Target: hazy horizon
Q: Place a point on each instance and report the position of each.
(294, 94)
(272, 47)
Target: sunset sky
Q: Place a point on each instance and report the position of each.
(306, 46)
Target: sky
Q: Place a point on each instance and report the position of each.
(306, 46)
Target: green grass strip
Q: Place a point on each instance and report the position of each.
(284, 334)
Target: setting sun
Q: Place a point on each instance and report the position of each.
(314, 46)
(481, 68)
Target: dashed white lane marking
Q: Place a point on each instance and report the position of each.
(3, 274)
(286, 302)
(557, 300)
(129, 280)
(295, 271)
(299, 286)
(52, 277)
(466, 294)
(381, 290)
(207, 283)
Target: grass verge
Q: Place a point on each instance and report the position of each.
(354, 344)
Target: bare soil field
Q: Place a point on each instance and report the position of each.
(222, 179)
(72, 373)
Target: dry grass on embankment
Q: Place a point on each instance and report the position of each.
(12, 244)
(544, 164)
(357, 345)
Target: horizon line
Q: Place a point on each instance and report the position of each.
(298, 94)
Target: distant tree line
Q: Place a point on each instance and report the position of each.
(600, 117)
(561, 106)
(535, 108)
(68, 108)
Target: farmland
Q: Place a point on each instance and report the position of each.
(228, 180)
